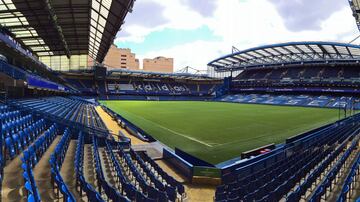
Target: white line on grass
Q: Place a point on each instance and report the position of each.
(172, 131)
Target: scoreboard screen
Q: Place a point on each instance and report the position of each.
(100, 72)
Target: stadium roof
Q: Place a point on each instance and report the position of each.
(355, 7)
(139, 73)
(65, 27)
(288, 53)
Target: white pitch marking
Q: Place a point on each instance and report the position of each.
(177, 133)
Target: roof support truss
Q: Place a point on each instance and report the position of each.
(289, 53)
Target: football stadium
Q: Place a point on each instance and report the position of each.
(271, 122)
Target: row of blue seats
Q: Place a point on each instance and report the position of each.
(313, 176)
(153, 187)
(159, 185)
(31, 157)
(129, 189)
(9, 116)
(84, 112)
(15, 125)
(328, 154)
(56, 161)
(54, 105)
(81, 184)
(273, 185)
(237, 177)
(281, 178)
(109, 190)
(312, 140)
(159, 190)
(71, 109)
(32, 193)
(3, 108)
(350, 181)
(94, 119)
(296, 73)
(17, 141)
(322, 190)
(294, 100)
(74, 113)
(157, 172)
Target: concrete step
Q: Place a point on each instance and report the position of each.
(89, 166)
(42, 174)
(68, 170)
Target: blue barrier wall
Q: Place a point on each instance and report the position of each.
(36, 81)
(32, 80)
(192, 159)
(178, 163)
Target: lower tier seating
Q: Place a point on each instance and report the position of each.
(46, 161)
(351, 182)
(71, 109)
(306, 173)
(350, 102)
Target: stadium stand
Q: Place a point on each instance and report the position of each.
(74, 110)
(56, 147)
(154, 84)
(335, 73)
(121, 174)
(350, 180)
(320, 165)
(56, 160)
(295, 173)
(32, 80)
(294, 100)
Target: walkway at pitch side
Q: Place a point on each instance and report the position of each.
(114, 128)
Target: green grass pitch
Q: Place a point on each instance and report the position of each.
(215, 131)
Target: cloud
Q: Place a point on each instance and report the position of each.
(205, 7)
(244, 24)
(300, 15)
(155, 15)
(146, 13)
(156, 40)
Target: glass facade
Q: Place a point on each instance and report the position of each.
(62, 63)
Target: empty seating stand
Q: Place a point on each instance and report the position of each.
(310, 169)
(81, 184)
(351, 181)
(31, 156)
(138, 180)
(34, 151)
(299, 173)
(294, 100)
(159, 88)
(56, 161)
(70, 109)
